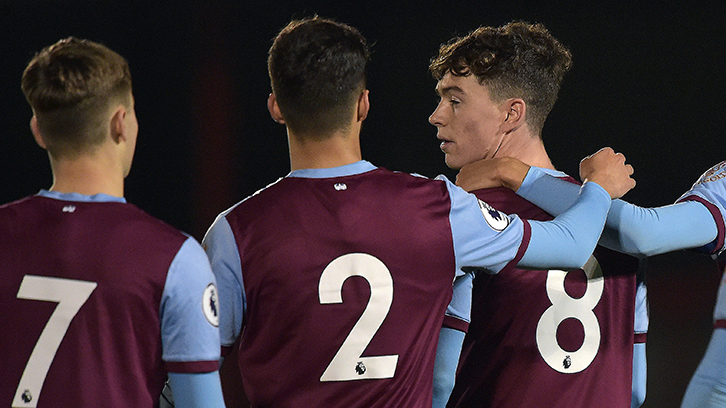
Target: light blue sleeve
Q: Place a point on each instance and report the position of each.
(483, 237)
(629, 229)
(188, 311)
(447, 360)
(568, 241)
(639, 375)
(197, 390)
(221, 247)
(460, 305)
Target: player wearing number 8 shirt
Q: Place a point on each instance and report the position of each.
(335, 280)
(696, 221)
(537, 338)
(99, 300)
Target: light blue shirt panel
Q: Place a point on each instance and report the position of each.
(197, 390)
(224, 257)
(186, 333)
(342, 171)
(629, 229)
(477, 244)
(447, 360)
(460, 305)
(99, 198)
(711, 186)
(640, 376)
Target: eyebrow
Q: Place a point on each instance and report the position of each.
(448, 89)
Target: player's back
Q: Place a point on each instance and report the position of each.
(81, 291)
(347, 280)
(551, 339)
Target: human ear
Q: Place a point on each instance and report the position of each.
(36, 132)
(515, 110)
(118, 125)
(363, 106)
(274, 109)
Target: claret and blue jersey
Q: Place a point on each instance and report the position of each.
(100, 301)
(339, 281)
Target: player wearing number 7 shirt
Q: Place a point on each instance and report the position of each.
(335, 280)
(99, 299)
(537, 338)
(696, 221)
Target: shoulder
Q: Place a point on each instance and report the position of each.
(153, 225)
(716, 175)
(711, 186)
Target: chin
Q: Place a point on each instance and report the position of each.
(451, 165)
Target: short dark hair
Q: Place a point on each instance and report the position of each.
(71, 85)
(517, 60)
(318, 70)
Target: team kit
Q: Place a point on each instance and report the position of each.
(344, 284)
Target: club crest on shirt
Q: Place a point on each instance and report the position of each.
(210, 305)
(717, 172)
(496, 219)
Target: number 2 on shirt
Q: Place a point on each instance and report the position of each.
(70, 295)
(348, 364)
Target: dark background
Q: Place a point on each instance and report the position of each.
(647, 79)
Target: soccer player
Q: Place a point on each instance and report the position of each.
(99, 300)
(335, 279)
(696, 221)
(541, 338)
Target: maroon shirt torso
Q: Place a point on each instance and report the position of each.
(289, 234)
(110, 353)
(502, 365)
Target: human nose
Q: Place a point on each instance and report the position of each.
(435, 118)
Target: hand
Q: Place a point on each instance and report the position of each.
(500, 172)
(608, 169)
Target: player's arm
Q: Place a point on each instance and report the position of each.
(447, 360)
(494, 240)
(578, 229)
(223, 253)
(639, 375)
(630, 229)
(451, 338)
(221, 248)
(196, 390)
(189, 333)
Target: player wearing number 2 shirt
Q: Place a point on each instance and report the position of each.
(338, 279)
(100, 301)
(335, 280)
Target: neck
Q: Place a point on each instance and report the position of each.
(334, 151)
(87, 175)
(527, 148)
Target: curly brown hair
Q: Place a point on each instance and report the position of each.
(517, 60)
